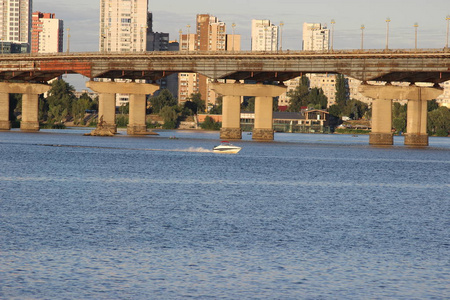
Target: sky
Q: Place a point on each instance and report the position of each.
(82, 17)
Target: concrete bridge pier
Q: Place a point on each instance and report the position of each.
(232, 93)
(416, 129)
(107, 103)
(136, 122)
(107, 111)
(30, 104)
(416, 124)
(231, 118)
(5, 123)
(263, 129)
(381, 123)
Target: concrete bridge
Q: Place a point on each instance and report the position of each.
(27, 74)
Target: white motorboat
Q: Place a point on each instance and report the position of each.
(226, 147)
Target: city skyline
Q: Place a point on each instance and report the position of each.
(83, 18)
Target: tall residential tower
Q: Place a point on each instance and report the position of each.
(315, 37)
(47, 34)
(123, 25)
(15, 21)
(264, 36)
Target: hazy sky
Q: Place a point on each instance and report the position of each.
(82, 17)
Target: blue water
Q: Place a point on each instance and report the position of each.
(303, 217)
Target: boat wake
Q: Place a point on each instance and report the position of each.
(190, 149)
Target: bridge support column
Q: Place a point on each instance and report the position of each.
(5, 123)
(264, 94)
(381, 123)
(107, 103)
(417, 110)
(231, 118)
(30, 112)
(416, 125)
(263, 129)
(30, 102)
(136, 123)
(107, 111)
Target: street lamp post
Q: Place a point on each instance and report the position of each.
(232, 27)
(332, 33)
(415, 35)
(362, 36)
(281, 35)
(68, 40)
(388, 20)
(448, 20)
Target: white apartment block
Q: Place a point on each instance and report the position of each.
(123, 28)
(47, 34)
(123, 25)
(15, 20)
(264, 36)
(315, 37)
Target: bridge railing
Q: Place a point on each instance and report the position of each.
(233, 53)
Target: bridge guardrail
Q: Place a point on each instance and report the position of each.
(233, 53)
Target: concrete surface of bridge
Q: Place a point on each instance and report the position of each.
(412, 66)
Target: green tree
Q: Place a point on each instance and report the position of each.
(217, 109)
(164, 98)
(15, 107)
(79, 107)
(439, 121)
(335, 110)
(298, 97)
(432, 105)
(342, 91)
(248, 104)
(399, 117)
(317, 99)
(198, 102)
(210, 124)
(60, 99)
(170, 116)
(355, 109)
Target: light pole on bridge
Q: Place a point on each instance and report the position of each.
(416, 25)
(388, 20)
(188, 35)
(281, 35)
(68, 40)
(362, 36)
(233, 26)
(447, 18)
(332, 33)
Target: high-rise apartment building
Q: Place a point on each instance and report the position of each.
(124, 25)
(315, 37)
(210, 35)
(264, 36)
(47, 33)
(15, 21)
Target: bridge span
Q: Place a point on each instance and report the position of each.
(28, 74)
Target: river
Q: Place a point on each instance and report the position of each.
(304, 217)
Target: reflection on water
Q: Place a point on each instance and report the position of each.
(305, 216)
